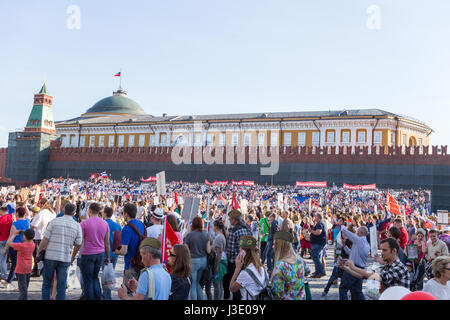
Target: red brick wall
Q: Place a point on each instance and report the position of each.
(3, 153)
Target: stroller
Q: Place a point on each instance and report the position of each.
(423, 269)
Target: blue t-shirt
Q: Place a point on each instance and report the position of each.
(322, 238)
(113, 226)
(61, 214)
(163, 283)
(11, 208)
(22, 224)
(131, 239)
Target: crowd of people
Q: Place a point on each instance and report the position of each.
(243, 242)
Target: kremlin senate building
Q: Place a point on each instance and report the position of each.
(118, 121)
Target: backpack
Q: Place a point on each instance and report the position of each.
(267, 291)
(136, 260)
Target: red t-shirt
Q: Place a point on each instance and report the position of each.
(384, 227)
(403, 240)
(5, 226)
(24, 257)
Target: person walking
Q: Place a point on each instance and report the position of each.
(24, 261)
(318, 242)
(21, 224)
(96, 245)
(43, 216)
(290, 271)
(236, 232)
(269, 253)
(180, 263)
(248, 268)
(154, 282)
(130, 240)
(5, 228)
(62, 237)
(439, 286)
(199, 246)
(113, 226)
(358, 255)
(221, 262)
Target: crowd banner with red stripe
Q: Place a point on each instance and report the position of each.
(359, 186)
(220, 183)
(312, 184)
(149, 179)
(243, 183)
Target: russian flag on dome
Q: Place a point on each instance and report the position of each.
(117, 74)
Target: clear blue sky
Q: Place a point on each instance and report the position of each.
(217, 56)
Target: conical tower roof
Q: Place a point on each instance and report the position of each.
(43, 89)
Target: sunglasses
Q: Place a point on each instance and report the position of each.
(172, 255)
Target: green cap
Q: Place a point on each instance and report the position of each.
(248, 242)
(151, 242)
(234, 214)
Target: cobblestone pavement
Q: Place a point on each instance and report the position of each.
(34, 290)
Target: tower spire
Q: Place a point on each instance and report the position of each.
(43, 89)
(41, 116)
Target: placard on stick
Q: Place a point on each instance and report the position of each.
(443, 217)
(190, 209)
(161, 183)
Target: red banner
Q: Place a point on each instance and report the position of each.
(221, 183)
(393, 205)
(243, 183)
(359, 186)
(149, 179)
(312, 184)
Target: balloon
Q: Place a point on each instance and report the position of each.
(394, 293)
(419, 295)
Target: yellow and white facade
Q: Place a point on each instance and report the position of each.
(118, 121)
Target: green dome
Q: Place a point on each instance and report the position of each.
(118, 103)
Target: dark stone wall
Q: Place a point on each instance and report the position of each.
(27, 156)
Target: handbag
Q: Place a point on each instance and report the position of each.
(266, 291)
(41, 256)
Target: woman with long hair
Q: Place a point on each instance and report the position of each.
(305, 243)
(289, 274)
(21, 224)
(180, 263)
(221, 262)
(248, 267)
(199, 247)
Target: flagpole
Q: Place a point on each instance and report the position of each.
(120, 79)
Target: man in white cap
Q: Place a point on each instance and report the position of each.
(156, 229)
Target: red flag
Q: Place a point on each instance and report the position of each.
(235, 204)
(168, 235)
(176, 197)
(381, 207)
(427, 225)
(393, 205)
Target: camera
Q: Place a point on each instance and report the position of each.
(21, 232)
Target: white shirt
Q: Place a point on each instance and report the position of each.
(140, 211)
(248, 284)
(154, 231)
(439, 291)
(40, 222)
